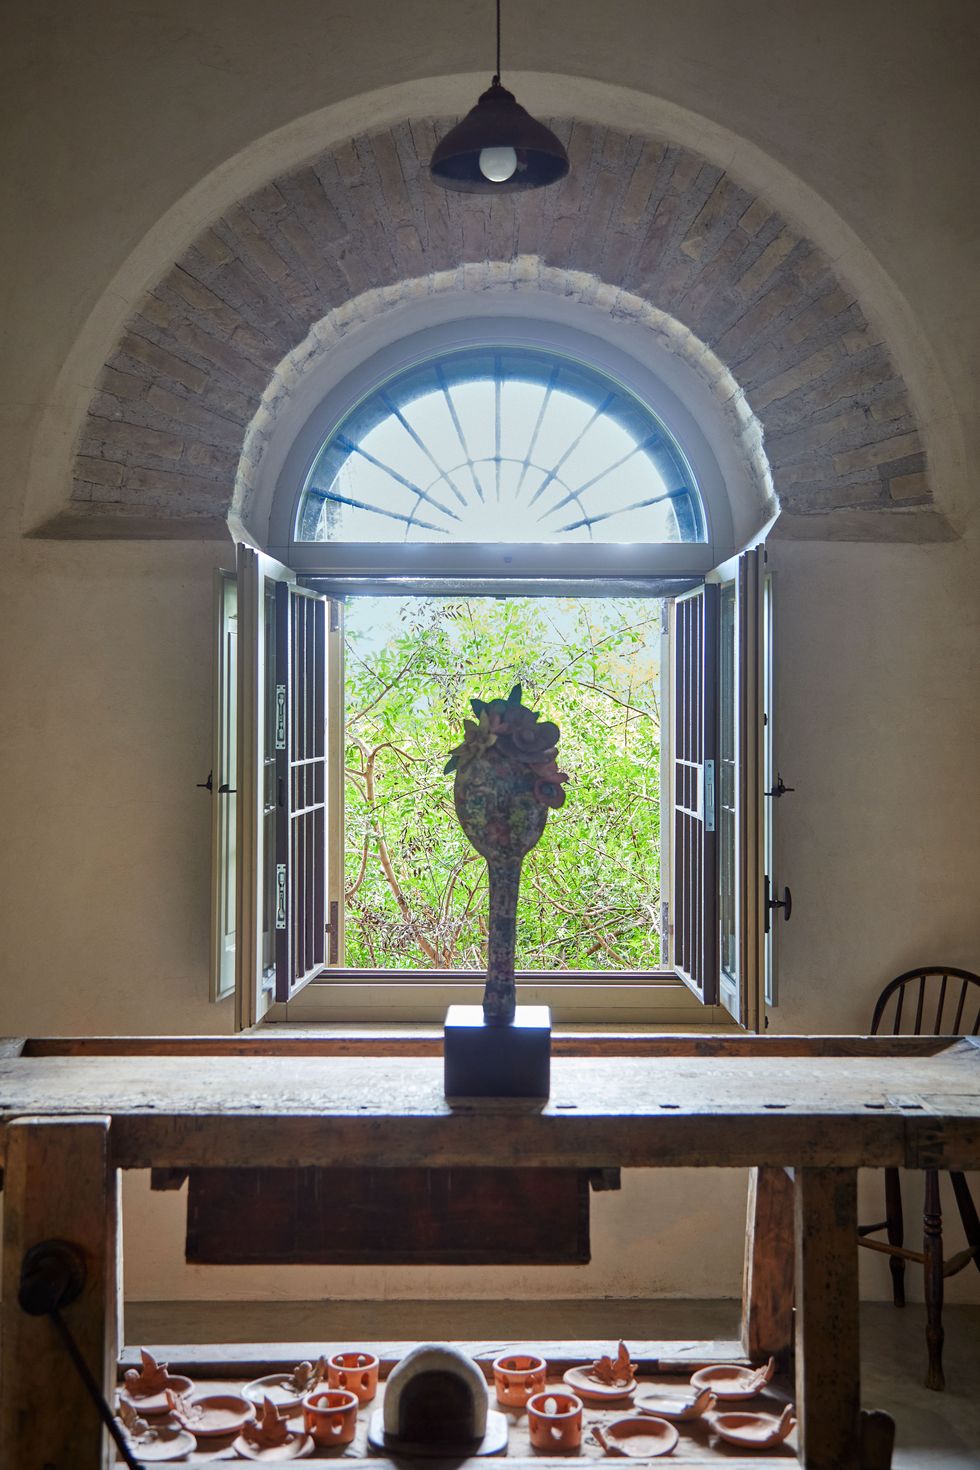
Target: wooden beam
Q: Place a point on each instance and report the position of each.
(426, 1041)
(767, 1281)
(828, 1365)
(60, 1185)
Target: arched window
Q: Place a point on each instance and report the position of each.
(501, 444)
(496, 447)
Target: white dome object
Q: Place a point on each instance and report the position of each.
(433, 1357)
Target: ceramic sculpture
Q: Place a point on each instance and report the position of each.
(507, 780)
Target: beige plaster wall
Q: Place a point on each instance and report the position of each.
(861, 118)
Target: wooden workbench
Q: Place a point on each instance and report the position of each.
(804, 1113)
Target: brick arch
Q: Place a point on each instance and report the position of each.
(162, 443)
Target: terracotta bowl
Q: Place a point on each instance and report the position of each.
(278, 1387)
(356, 1372)
(516, 1376)
(754, 1431)
(730, 1381)
(211, 1414)
(152, 1404)
(643, 1437)
(594, 1391)
(676, 1408)
(330, 1416)
(554, 1419)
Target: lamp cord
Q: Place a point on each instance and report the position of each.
(92, 1388)
(497, 77)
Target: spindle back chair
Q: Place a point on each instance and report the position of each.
(937, 1000)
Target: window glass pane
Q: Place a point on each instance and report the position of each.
(416, 889)
(501, 445)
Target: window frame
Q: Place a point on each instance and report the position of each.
(658, 997)
(538, 559)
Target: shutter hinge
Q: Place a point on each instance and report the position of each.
(709, 796)
(333, 932)
(280, 895)
(280, 717)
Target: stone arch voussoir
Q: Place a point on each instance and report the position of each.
(638, 224)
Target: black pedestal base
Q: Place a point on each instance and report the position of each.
(498, 1061)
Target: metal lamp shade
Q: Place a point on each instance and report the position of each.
(498, 121)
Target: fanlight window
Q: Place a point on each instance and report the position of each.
(501, 445)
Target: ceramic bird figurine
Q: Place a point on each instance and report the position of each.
(507, 780)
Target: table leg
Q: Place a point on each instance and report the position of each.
(59, 1184)
(828, 1367)
(767, 1282)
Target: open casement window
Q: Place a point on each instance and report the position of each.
(289, 828)
(694, 738)
(720, 738)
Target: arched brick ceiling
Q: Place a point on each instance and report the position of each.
(165, 431)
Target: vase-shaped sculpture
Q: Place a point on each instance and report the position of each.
(507, 779)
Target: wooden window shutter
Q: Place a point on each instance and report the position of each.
(223, 782)
(306, 930)
(743, 993)
(694, 748)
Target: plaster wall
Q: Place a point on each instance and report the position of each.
(859, 117)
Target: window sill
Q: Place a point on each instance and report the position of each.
(614, 1004)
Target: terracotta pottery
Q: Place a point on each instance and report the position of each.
(330, 1416)
(211, 1414)
(644, 1437)
(755, 1431)
(279, 1387)
(355, 1371)
(516, 1376)
(164, 1439)
(676, 1408)
(594, 1392)
(554, 1420)
(270, 1438)
(607, 1380)
(731, 1381)
(146, 1387)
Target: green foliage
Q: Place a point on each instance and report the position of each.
(416, 890)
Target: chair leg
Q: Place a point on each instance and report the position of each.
(968, 1214)
(896, 1233)
(932, 1245)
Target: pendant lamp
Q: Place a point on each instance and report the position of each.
(498, 148)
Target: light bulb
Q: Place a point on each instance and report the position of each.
(498, 164)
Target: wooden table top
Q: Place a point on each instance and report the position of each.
(762, 1103)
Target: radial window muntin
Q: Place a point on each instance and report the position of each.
(497, 444)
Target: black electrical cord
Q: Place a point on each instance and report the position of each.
(52, 1275)
(92, 1388)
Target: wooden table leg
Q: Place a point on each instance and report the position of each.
(767, 1282)
(58, 1184)
(828, 1367)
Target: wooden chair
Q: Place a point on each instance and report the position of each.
(924, 998)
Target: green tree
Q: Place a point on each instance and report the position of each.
(416, 890)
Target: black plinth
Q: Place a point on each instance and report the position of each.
(498, 1061)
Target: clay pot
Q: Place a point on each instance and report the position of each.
(554, 1419)
(516, 1376)
(330, 1415)
(357, 1372)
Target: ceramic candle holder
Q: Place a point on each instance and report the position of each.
(330, 1415)
(356, 1372)
(554, 1419)
(516, 1376)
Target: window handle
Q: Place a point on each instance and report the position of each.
(207, 785)
(785, 903)
(225, 790)
(780, 789)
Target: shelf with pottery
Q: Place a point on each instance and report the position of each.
(525, 1405)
